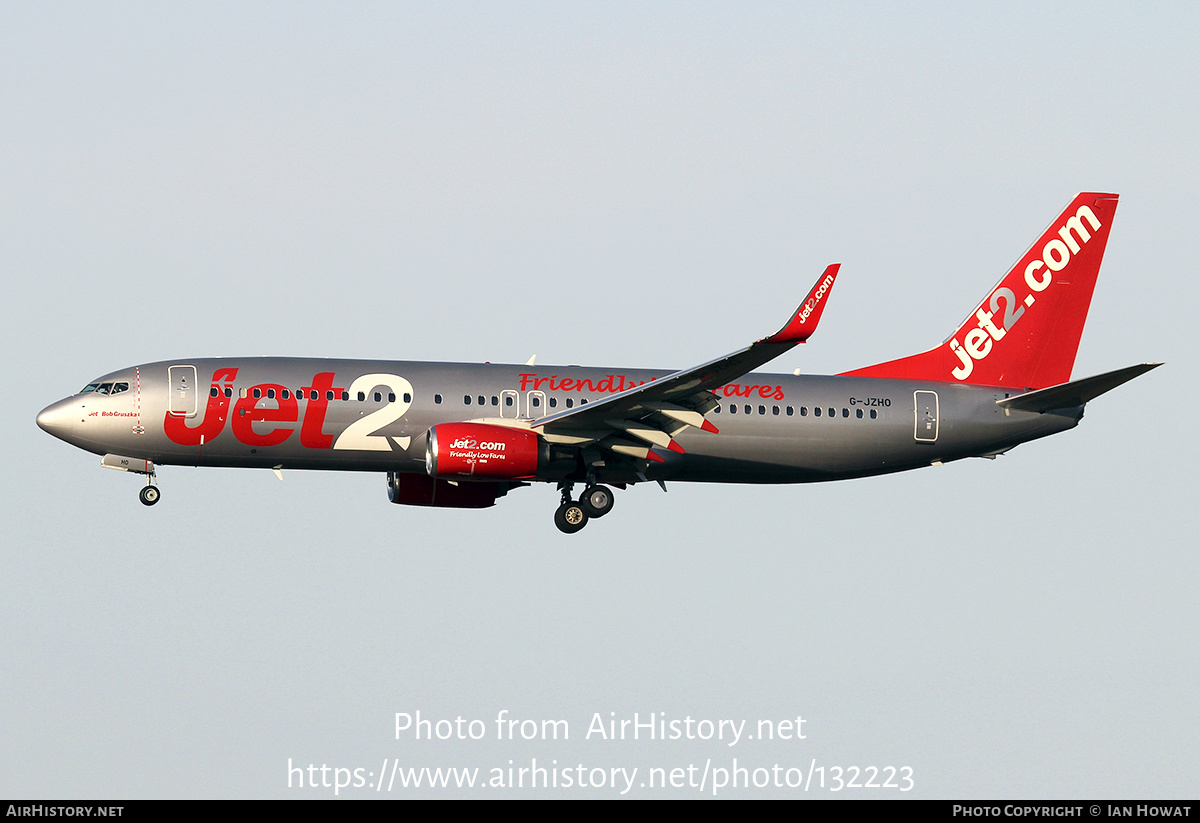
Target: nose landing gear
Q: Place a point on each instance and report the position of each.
(149, 495)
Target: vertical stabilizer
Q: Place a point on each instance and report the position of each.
(1026, 331)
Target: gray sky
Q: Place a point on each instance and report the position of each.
(616, 185)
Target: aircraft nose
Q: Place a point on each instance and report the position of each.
(56, 419)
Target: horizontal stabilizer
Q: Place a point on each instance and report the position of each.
(1075, 393)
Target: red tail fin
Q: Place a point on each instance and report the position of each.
(1026, 331)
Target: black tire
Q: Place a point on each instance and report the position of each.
(149, 495)
(570, 517)
(597, 501)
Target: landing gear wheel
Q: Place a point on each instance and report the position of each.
(597, 501)
(149, 495)
(570, 517)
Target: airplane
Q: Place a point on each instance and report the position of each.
(460, 435)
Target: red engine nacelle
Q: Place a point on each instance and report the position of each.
(481, 450)
(420, 490)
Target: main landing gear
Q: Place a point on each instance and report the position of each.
(571, 516)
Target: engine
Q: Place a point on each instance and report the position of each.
(421, 490)
(484, 451)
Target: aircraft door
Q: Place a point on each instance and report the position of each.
(535, 404)
(926, 414)
(181, 401)
(510, 404)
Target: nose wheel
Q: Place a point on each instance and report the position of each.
(149, 494)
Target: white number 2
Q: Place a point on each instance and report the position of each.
(361, 435)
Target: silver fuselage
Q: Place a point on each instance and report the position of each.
(371, 415)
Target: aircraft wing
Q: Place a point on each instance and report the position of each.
(632, 422)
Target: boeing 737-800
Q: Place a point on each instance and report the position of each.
(462, 435)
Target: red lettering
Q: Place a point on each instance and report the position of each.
(566, 384)
(213, 422)
(246, 413)
(526, 379)
(311, 436)
(765, 392)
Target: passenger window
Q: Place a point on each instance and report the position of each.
(775, 410)
(790, 411)
(845, 412)
(229, 391)
(570, 402)
(762, 409)
(257, 393)
(804, 411)
(554, 402)
(872, 414)
(832, 411)
(284, 395)
(362, 396)
(270, 394)
(345, 395)
(858, 413)
(391, 397)
(747, 410)
(407, 397)
(466, 399)
(328, 395)
(536, 401)
(733, 408)
(312, 395)
(437, 398)
(717, 410)
(508, 400)
(213, 392)
(816, 411)
(583, 402)
(482, 400)
(378, 397)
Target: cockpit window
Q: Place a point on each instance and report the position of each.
(105, 388)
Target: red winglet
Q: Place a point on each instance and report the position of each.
(804, 321)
